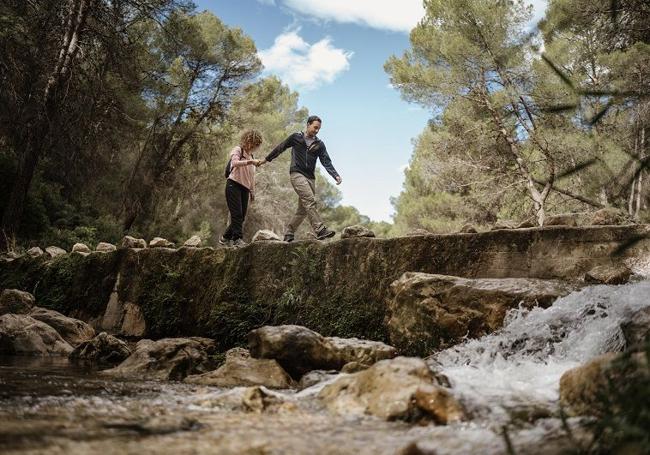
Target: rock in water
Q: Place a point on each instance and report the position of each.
(299, 350)
(242, 370)
(21, 334)
(104, 348)
(166, 359)
(71, 330)
(401, 388)
(428, 311)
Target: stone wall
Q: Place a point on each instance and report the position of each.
(337, 288)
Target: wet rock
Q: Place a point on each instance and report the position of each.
(428, 312)
(610, 216)
(637, 329)
(132, 242)
(166, 359)
(35, 252)
(315, 377)
(193, 242)
(104, 348)
(242, 370)
(71, 330)
(80, 248)
(589, 389)
(105, 247)
(299, 350)
(15, 301)
(468, 229)
(159, 242)
(356, 231)
(402, 388)
(55, 251)
(21, 334)
(266, 235)
(609, 274)
(564, 219)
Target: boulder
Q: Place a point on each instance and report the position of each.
(104, 348)
(637, 329)
(609, 274)
(104, 247)
(401, 388)
(132, 242)
(356, 231)
(242, 370)
(429, 312)
(159, 242)
(80, 248)
(610, 216)
(265, 235)
(21, 334)
(193, 242)
(166, 359)
(71, 330)
(16, 302)
(299, 350)
(55, 251)
(564, 219)
(35, 252)
(468, 229)
(591, 389)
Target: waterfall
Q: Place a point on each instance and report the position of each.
(522, 363)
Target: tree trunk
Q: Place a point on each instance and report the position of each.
(36, 138)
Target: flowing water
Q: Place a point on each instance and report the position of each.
(508, 378)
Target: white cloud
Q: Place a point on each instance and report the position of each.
(400, 16)
(303, 65)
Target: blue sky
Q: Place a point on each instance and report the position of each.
(332, 52)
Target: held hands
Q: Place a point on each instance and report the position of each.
(258, 163)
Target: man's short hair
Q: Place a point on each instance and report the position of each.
(313, 118)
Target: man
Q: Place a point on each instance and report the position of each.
(305, 149)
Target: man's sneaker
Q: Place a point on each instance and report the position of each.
(224, 241)
(324, 233)
(288, 237)
(238, 243)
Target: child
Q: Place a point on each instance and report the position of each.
(240, 185)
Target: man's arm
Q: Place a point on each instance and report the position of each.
(326, 161)
(281, 147)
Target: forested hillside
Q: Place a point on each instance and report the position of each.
(526, 125)
(117, 117)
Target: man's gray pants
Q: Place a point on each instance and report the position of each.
(306, 190)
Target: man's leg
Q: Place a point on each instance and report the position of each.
(306, 191)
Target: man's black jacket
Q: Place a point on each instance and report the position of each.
(303, 160)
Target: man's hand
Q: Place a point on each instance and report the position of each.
(260, 162)
(338, 179)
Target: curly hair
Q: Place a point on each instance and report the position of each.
(250, 140)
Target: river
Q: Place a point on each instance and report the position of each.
(506, 379)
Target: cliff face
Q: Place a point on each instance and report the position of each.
(338, 288)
